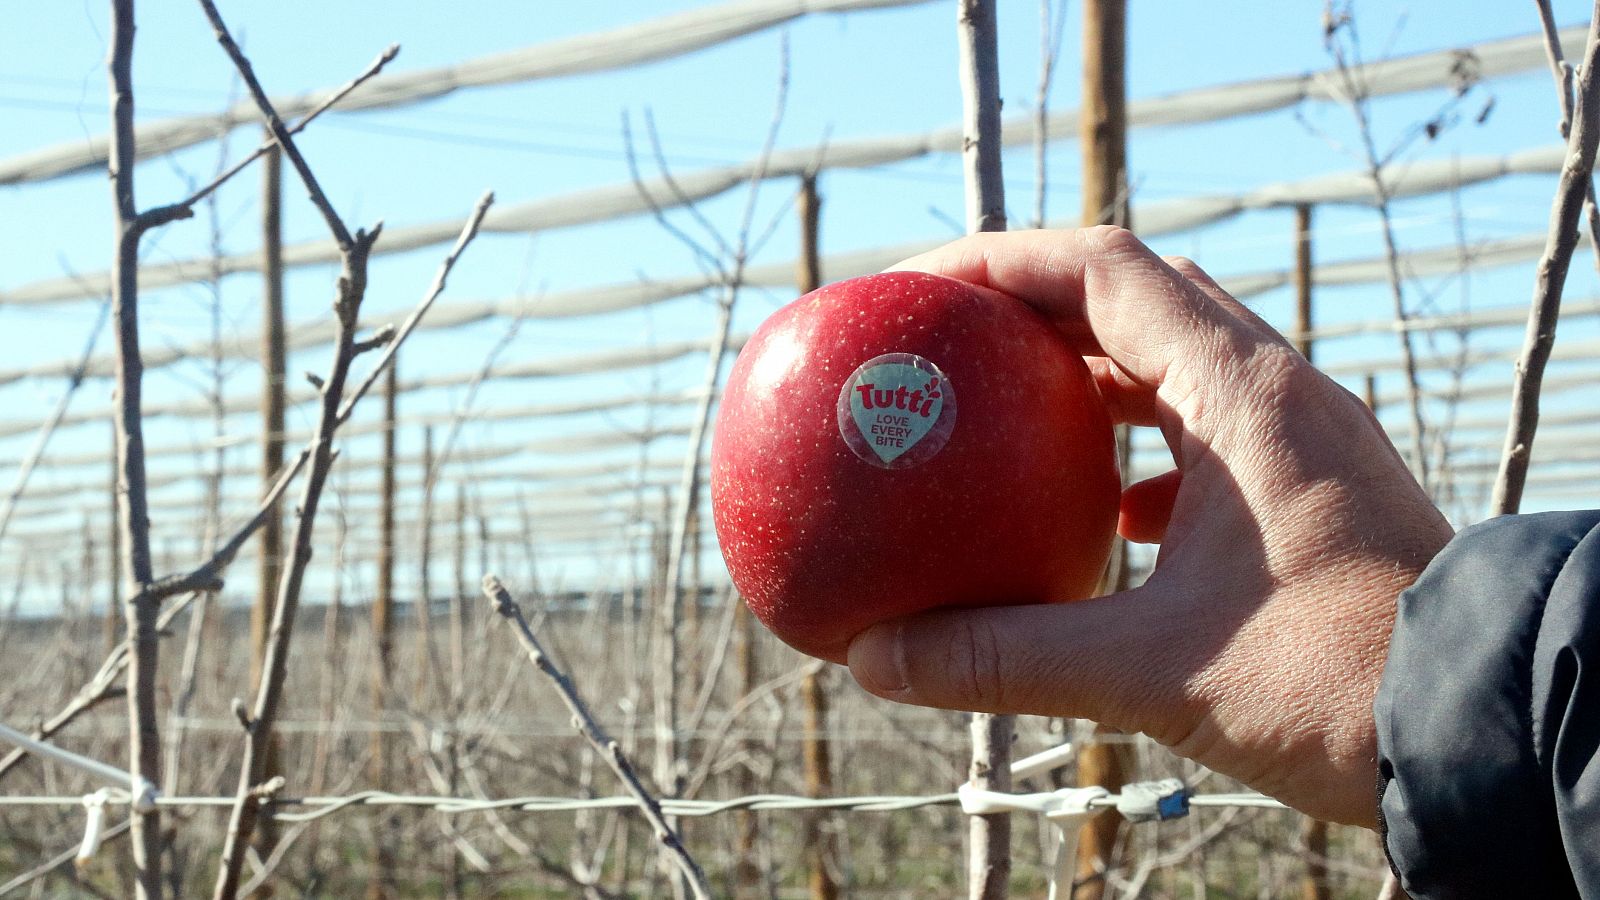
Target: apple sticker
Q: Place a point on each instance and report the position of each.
(896, 410)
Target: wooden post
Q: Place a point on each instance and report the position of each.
(1302, 279)
(272, 402)
(1102, 132)
(819, 846)
(458, 652)
(1313, 833)
(747, 823)
(381, 885)
(989, 859)
(424, 603)
(114, 569)
(270, 564)
(458, 595)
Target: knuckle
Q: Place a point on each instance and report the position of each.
(975, 665)
(1183, 264)
(1113, 240)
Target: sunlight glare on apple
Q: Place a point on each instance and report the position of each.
(777, 360)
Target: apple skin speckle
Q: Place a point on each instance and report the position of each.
(1019, 506)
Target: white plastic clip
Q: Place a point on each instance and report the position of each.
(1144, 801)
(1041, 762)
(144, 796)
(1068, 818)
(1067, 809)
(95, 827)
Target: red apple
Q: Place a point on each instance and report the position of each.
(903, 442)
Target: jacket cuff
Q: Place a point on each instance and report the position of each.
(1472, 706)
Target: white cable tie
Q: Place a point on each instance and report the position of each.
(94, 827)
(1043, 761)
(1066, 801)
(1072, 810)
(1067, 809)
(103, 771)
(1143, 801)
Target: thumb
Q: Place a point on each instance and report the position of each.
(1112, 659)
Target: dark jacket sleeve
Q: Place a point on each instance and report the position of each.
(1488, 716)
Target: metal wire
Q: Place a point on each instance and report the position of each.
(327, 805)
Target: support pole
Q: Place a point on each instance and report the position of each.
(1313, 833)
(820, 847)
(426, 676)
(272, 405)
(381, 885)
(1103, 130)
(113, 629)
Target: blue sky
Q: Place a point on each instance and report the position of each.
(861, 75)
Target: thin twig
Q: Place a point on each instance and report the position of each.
(74, 381)
(280, 132)
(300, 124)
(1550, 278)
(729, 261)
(100, 688)
(61, 859)
(440, 278)
(1338, 21)
(603, 743)
(336, 409)
(1562, 72)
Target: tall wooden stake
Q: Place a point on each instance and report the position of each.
(820, 847)
(114, 598)
(989, 859)
(1303, 276)
(747, 822)
(1313, 833)
(272, 405)
(458, 595)
(424, 604)
(381, 885)
(1103, 132)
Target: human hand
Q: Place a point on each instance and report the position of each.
(1287, 532)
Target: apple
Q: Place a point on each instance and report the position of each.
(904, 442)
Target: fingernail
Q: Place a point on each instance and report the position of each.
(877, 660)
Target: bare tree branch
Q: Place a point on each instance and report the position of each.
(1338, 28)
(224, 177)
(595, 734)
(1551, 276)
(1562, 72)
(280, 132)
(336, 409)
(144, 750)
(989, 854)
(74, 380)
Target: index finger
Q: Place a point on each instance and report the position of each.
(1111, 295)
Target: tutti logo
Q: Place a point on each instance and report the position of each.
(896, 410)
(920, 401)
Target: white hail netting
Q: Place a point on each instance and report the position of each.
(1155, 219)
(681, 33)
(620, 48)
